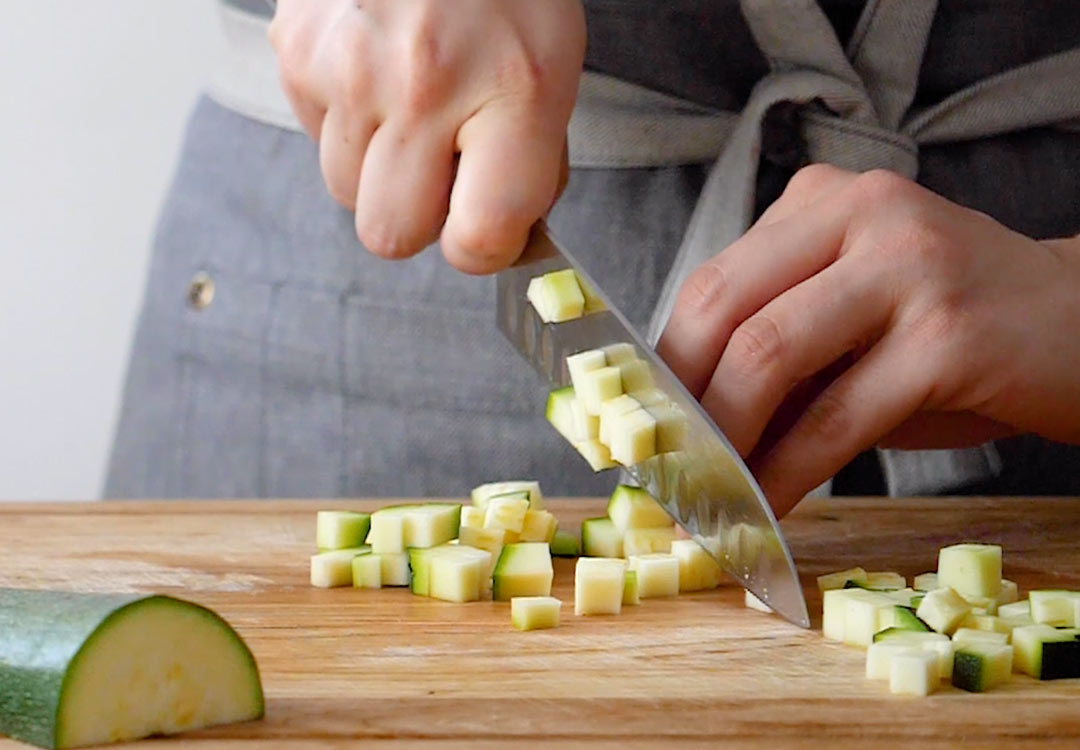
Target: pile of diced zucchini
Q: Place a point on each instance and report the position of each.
(962, 624)
(612, 413)
(500, 548)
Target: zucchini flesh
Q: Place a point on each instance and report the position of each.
(634, 508)
(556, 296)
(395, 528)
(840, 579)
(697, 569)
(1047, 653)
(657, 574)
(523, 569)
(367, 572)
(943, 610)
(904, 618)
(395, 569)
(340, 529)
(534, 612)
(334, 568)
(913, 672)
(630, 593)
(596, 454)
(648, 541)
(480, 495)
(598, 586)
(88, 669)
(600, 538)
(538, 526)
(971, 569)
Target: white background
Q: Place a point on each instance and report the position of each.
(93, 100)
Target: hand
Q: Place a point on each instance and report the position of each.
(865, 310)
(434, 115)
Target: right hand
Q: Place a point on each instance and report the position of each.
(436, 116)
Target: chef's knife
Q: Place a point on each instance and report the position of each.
(705, 486)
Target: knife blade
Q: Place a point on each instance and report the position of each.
(705, 486)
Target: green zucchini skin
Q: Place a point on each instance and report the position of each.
(42, 634)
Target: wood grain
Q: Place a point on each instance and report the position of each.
(389, 669)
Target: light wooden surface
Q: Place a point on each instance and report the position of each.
(386, 669)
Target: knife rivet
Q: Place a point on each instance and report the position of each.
(200, 291)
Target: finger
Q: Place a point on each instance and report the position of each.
(808, 186)
(343, 143)
(876, 394)
(929, 430)
(793, 337)
(401, 202)
(738, 282)
(507, 178)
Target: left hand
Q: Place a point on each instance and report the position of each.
(865, 310)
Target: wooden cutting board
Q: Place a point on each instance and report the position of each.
(343, 667)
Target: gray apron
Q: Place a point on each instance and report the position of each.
(275, 357)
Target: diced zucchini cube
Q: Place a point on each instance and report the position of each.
(1053, 607)
(989, 624)
(559, 412)
(598, 386)
(523, 569)
(564, 544)
(697, 569)
(616, 354)
(648, 541)
(971, 569)
(863, 616)
(750, 601)
(633, 437)
(610, 411)
(938, 644)
(1045, 652)
(657, 574)
(585, 426)
(600, 538)
(903, 596)
(457, 574)
(340, 529)
(593, 303)
(631, 594)
(480, 495)
(334, 568)
(913, 673)
(634, 508)
(903, 617)
(834, 613)
(489, 540)
(972, 635)
(534, 612)
(395, 568)
(507, 512)
(596, 454)
(885, 580)
(837, 580)
(387, 534)
(636, 375)
(943, 610)
(556, 296)
(538, 526)
(367, 571)
(925, 582)
(397, 527)
(472, 517)
(671, 427)
(879, 657)
(578, 365)
(1015, 609)
(1009, 593)
(598, 586)
(979, 666)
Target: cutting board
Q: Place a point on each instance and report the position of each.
(387, 668)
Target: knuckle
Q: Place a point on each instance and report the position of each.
(704, 288)
(383, 241)
(811, 179)
(423, 70)
(486, 237)
(879, 187)
(756, 346)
